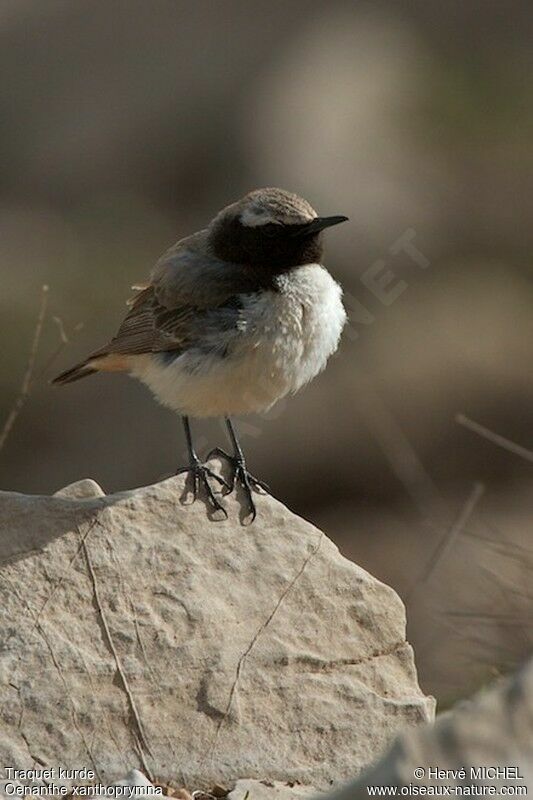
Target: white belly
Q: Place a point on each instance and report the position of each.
(285, 339)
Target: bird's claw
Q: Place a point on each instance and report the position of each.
(200, 474)
(241, 477)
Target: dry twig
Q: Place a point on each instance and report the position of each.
(449, 537)
(28, 375)
(399, 452)
(64, 340)
(495, 438)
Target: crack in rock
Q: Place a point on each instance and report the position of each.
(255, 637)
(140, 736)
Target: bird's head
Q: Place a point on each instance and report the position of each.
(269, 229)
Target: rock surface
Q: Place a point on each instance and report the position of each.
(266, 790)
(134, 632)
(494, 730)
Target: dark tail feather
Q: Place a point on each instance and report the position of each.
(74, 374)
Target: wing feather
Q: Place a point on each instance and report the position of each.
(190, 292)
(192, 300)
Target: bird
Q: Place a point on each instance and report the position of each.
(233, 318)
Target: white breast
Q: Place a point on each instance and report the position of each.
(284, 339)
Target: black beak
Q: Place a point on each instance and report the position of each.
(318, 224)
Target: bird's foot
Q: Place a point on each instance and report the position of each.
(242, 478)
(198, 475)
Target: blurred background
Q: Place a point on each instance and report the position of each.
(126, 124)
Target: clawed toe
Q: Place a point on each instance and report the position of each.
(243, 479)
(199, 475)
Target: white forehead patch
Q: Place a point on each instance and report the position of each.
(252, 216)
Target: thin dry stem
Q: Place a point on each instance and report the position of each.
(450, 536)
(495, 438)
(61, 328)
(64, 340)
(28, 375)
(400, 453)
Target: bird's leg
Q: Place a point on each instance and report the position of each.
(200, 473)
(240, 474)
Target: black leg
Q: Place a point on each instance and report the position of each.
(240, 474)
(200, 473)
(237, 449)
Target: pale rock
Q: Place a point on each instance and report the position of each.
(135, 632)
(494, 730)
(80, 489)
(135, 778)
(267, 790)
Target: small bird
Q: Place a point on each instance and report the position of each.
(233, 318)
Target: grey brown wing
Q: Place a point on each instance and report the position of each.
(191, 296)
(191, 301)
(151, 327)
(138, 332)
(190, 274)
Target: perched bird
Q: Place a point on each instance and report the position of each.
(233, 318)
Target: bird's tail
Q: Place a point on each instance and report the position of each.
(100, 361)
(81, 370)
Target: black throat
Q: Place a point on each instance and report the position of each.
(271, 249)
